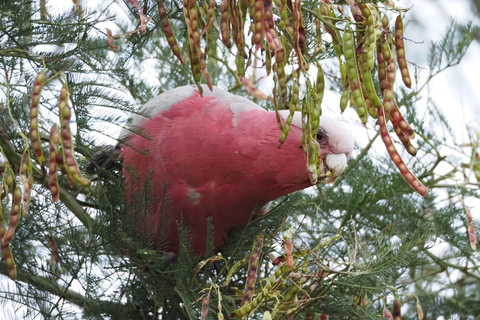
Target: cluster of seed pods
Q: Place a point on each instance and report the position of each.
(167, 29)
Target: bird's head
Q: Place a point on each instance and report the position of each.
(336, 143)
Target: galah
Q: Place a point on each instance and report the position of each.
(216, 155)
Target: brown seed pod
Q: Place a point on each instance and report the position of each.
(34, 108)
(73, 172)
(14, 217)
(26, 175)
(470, 228)
(397, 310)
(225, 22)
(205, 304)
(398, 120)
(392, 151)
(52, 163)
(401, 56)
(405, 140)
(288, 245)
(258, 24)
(167, 29)
(252, 269)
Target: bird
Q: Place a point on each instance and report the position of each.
(215, 156)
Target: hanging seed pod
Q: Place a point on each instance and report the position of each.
(299, 35)
(344, 100)
(205, 304)
(225, 23)
(26, 175)
(396, 310)
(34, 108)
(370, 25)
(282, 10)
(368, 81)
(387, 314)
(352, 71)
(14, 217)
(405, 141)
(52, 163)
(392, 151)
(252, 269)
(10, 262)
(258, 22)
(382, 68)
(419, 311)
(398, 120)
(195, 35)
(471, 229)
(293, 106)
(401, 56)
(66, 140)
(167, 29)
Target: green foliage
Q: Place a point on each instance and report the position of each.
(366, 237)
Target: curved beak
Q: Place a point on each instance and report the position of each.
(336, 164)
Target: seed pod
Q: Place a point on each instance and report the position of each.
(34, 106)
(73, 172)
(52, 163)
(405, 141)
(10, 262)
(396, 310)
(401, 56)
(288, 245)
(282, 9)
(205, 304)
(292, 107)
(387, 314)
(392, 151)
(3, 229)
(225, 23)
(398, 120)
(258, 24)
(471, 229)
(252, 269)
(382, 68)
(368, 82)
(14, 217)
(370, 25)
(167, 29)
(352, 71)
(26, 175)
(344, 100)
(245, 310)
(419, 311)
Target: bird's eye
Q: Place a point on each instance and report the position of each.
(321, 134)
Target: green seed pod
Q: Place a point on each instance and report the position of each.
(392, 151)
(344, 100)
(167, 29)
(401, 56)
(352, 72)
(10, 262)
(368, 82)
(72, 170)
(34, 106)
(370, 27)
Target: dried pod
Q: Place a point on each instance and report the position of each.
(401, 56)
(34, 108)
(205, 304)
(252, 269)
(26, 175)
(398, 120)
(52, 163)
(392, 151)
(14, 217)
(470, 228)
(397, 310)
(225, 22)
(167, 29)
(419, 311)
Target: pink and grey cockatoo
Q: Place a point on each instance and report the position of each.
(218, 156)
